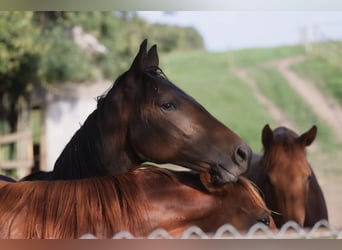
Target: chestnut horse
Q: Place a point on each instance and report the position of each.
(139, 201)
(145, 118)
(286, 179)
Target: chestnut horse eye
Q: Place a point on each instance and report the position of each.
(265, 221)
(168, 106)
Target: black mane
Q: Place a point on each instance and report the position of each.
(82, 157)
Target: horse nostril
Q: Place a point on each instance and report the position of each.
(241, 155)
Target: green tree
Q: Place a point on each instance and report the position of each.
(19, 58)
(37, 48)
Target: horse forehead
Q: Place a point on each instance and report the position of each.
(285, 145)
(284, 131)
(284, 135)
(164, 85)
(289, 170)
(287, 157)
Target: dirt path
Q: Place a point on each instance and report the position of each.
(325, 107)
(276, 113)
(331, 112)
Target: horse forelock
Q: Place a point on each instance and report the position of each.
(253, 193)
(284, 149)
(60, 209)
(155, 71)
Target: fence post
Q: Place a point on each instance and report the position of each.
(24, 143)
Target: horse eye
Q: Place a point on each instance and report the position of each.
(168, 106)
(265, 221)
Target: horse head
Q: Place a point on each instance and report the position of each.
(160, 123)
(288, 171)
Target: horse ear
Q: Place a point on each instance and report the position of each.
(308, 137)
(140, 59)
(207, 182)
(152, 57)
(267, 136)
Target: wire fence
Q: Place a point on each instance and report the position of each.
(290, 230)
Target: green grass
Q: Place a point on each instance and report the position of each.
(207, 77)
(9, 152)
(252, 57)
(275, 87)
(36, 119)
(325, 73)
(5, 150)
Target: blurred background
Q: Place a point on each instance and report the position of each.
(247, 68)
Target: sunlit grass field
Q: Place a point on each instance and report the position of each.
(209, 77)
(275, 87)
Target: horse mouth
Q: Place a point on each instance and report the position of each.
(220, 174)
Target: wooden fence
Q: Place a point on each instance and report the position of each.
(24, 152)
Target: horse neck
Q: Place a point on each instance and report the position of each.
(315, 196)
(83, 156)
(113, 118)
(118, 198)
(256, 170)
(186, 204)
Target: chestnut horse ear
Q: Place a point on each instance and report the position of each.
(308, 137)
(267, 136)
(207, 181)
(140, 59)
(152, 57)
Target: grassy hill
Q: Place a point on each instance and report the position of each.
(324, 68)
(210, 78)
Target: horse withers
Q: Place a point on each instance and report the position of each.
(139, 202)
(144, 117)
(286, 178)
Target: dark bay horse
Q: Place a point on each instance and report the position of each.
(6, 178)
(139, 201)
(145, 118)
(286, 179)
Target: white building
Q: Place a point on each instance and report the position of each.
(66, 109)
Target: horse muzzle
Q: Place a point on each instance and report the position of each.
(230, 169)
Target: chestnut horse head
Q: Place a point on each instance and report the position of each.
(286, 178)
(139, 201)
(144, 117)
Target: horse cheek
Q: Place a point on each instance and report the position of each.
(147, 144)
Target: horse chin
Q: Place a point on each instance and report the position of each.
(199, 167)
(221, 176)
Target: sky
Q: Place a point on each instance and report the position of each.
(227, 30)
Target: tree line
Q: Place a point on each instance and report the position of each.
(38, 49)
